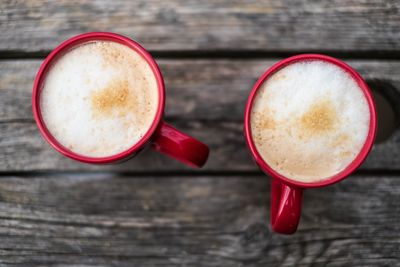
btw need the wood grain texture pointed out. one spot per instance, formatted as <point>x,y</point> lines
<point>204,97</point>
<point>104,220</point>
<point>23,149</point>
<point>355,25</point>
<point>152,211</point>
<point>199,89</point>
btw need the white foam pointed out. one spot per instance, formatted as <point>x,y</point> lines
<point>309,120</point>
<point>68,99</point>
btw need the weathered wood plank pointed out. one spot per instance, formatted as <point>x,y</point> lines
<point>356,25</point>
<point>23,149</point>
<point>98,220</point>
<point>196,89</point>
<point>205,98</point>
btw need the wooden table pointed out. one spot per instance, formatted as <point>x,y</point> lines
<point>152,211</point>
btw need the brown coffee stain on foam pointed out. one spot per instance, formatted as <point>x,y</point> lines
<point>320,119</point>
<point>267,122</point>
<point>345,154</point>
<point>118,56</point>
<point>278,76</point>
<point>112,53</point>
<point>264,120</point>
<point>115,99</point>
<point>340,140</point>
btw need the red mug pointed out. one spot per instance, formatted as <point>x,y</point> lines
<point>287,194</point>
<point>162,136</point>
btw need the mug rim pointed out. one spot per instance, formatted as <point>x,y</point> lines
<point>63,48</point>
<point>358,160</point>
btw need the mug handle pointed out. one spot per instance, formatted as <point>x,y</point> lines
<point>286,204</point>
<point>180,146</point>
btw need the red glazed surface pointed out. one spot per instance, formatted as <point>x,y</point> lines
<point>287,193</point>
<point>178,149</point>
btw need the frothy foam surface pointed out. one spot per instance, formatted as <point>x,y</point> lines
<point>309,120</point>
<point>99,99</point>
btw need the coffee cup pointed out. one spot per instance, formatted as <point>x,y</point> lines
<point>99,98</point>
<point>310,122</point>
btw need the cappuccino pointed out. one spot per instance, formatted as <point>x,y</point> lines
<point>99,99</point>
<point>309,120</point>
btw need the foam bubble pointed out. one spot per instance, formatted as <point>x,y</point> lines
<point>309,120</point>
<point>99,99</point>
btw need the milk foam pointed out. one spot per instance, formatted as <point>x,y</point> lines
<point>99,99</point>
<point>309,120</point>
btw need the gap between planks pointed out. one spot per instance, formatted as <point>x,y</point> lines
<point>229,54</point>
<point>175,174</point>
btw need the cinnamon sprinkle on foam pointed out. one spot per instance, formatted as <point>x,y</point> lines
<point>115,96</point>
<point>319,119</point>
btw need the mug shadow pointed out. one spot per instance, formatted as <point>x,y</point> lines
<point>387,98</point>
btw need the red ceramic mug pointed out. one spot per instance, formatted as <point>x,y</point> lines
<point>162,136</point>
<point>286,194</point>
